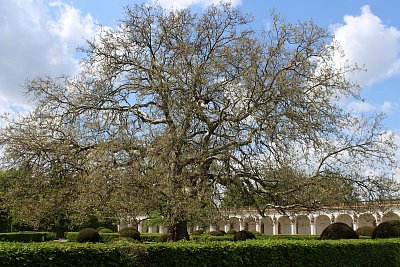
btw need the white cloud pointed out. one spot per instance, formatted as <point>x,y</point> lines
<point>365,107</point>
<point>366,41</point>
<point>360,107</point>
<point>37,38</point>
<point>179,4</point>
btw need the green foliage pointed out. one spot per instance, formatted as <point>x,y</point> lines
<point>231,232</point>
<point>104,230</point>
<point>163,238</point>
<point>27,236</point>
<point>275,253</point>
<point>338,231</point>
<point>365,230</point>
<point>68,254</point>
<point>387,230</point>
<point>243,235</point>
<point>125,240</point>
<point>104,237</point>
<point>198,232</point>
<point>108,237</point>
<point>130,232</point>
<point>88,235</point>
<point>288,237</point>
<point>362,252</point>
<point>216,233</point>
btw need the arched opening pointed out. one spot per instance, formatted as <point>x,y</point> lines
<point>366,219</point>
<point>266,226</point>
<point>250,224</point>
<point>284,225</point>
<point>322,221</point>
<point>390,216</point>
<point>303,225</point>
<point>234,223</point>
<point>345,218</point>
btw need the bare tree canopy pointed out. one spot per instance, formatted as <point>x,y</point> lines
<point>174,112</point>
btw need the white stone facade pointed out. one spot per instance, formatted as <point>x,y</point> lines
<point>308,223</point>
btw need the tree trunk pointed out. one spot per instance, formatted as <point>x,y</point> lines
<point>178,232</point>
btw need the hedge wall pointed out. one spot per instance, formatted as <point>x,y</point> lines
<point>67,254</point>
<point>108,237</point>
<point>363,252</point>
<point>104,237</point>
<point>276,253</point>
<point>27,236</point>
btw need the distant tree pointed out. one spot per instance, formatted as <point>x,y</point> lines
<point>173,108</point>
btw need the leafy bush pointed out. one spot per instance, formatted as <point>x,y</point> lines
<point>125,240</point>
<point>27,236</point>
<point>104,230</point>
<point>222,232</point>
<point>338,231</point>
<point>88,235</point>
<point>362,252</point>
<point>163,238</point>
<point>198,232</point>
<point>216,233</point>
<point>108,237</point>
<point>387,230</point>
<point>231,232</point>
<point>243,235</point>
<point>104,237</point>
<point>130,232</point>
<point>365,230</point>
<point>68,254</point>
<point>100,228</point>
<point>151,237</point>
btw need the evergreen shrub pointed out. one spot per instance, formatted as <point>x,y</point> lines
<point>387,229</point>
<point>88,235</point>
<point>338,231</point>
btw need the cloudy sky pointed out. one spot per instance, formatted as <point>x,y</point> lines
<point>39,37</point>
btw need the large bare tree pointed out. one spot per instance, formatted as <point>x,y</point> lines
<point>174,109</point>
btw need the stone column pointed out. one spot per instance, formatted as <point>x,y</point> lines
<point>312,225</point>
<point>378,218</point>
<point>293,228</point>
<point>258,225</point>
<point>275,228</point>
<point>241,224</point>
<point>355,222</point>
<point>227,227</point>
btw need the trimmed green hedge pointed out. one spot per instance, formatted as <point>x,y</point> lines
<point>104,237</point>
<point>362,252</point>
<point>27,236</point>
<point>276,253</point>
<point>67,254</point>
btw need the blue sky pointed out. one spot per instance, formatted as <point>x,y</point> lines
<point>39,37</point>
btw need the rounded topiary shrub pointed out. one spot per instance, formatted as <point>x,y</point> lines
<point>130,232</point>
<point>163,238</point>
<point>365,230</point>
<point>222,232</point>
<point>231,232</point>
<point>88,235</point>
<point>105,230</point>
<point>198,232</point>
<point>243,235</point>
<point>387,230</point>
<point>124,240</point>
<point>216,233</point>
<point>338,231</point>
